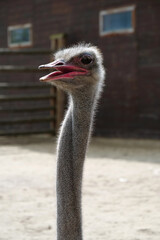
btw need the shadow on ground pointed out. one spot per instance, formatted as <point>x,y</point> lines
<point>117,149</point>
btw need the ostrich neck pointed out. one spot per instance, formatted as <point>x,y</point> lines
<point>72,145</point>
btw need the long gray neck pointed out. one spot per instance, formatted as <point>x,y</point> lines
<point>72,145</point>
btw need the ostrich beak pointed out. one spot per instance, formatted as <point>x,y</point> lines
<point>62,71</point>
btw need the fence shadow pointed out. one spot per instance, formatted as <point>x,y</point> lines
<point>101,148</point>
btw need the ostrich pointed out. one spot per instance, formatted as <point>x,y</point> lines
<point>79,71</point>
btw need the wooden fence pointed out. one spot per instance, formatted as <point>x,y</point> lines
<point>21,114</point>
<point>30,107</point>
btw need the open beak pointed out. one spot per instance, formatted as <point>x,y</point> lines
<point>62,71</point>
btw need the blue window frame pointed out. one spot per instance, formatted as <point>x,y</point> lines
<point>119,20</point>
<point>19,35</point>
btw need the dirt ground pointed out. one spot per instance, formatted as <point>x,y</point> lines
<point>121,190</point>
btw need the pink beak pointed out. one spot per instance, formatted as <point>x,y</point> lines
<point>62,71</point>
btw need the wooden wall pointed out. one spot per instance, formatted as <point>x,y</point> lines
<point>131,99</point>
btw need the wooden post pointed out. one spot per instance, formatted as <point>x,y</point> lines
<point>57,42</point>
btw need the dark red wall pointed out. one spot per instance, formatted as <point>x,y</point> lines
<point>130,105</point>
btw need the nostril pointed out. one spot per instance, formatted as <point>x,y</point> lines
<point>60,63</point>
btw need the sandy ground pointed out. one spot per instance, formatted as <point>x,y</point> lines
<point>121,190</point>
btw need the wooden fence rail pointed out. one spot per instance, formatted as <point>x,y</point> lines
<point>10,68</point>
<point>25,97</point>
<point>26,120</point>
<point>26,132</point>
<point>23,85</point>
<point>31,109</point>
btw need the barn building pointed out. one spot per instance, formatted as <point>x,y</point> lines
<point>127,32</point>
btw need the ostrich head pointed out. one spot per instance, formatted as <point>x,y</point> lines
<point>75,68</point>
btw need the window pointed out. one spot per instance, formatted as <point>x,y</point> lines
<point>20,35</point>
<point>118,20</point>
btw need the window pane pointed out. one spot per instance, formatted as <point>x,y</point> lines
<point>117,21</point>
<point>19,35</point>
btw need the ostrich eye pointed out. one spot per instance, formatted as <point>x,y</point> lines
<point>86,59</point>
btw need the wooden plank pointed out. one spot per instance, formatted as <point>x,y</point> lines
<point>25,97</point>
<point>60,100</point>
<point>60,94</point>
<point>25,120</point>
<point>33,109</point>
<point>15,133</point>
<point>53,106</point>
<point>57,42</point>
<point>10,68</point>
<point>24,85</point>
<point>35,51</point>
